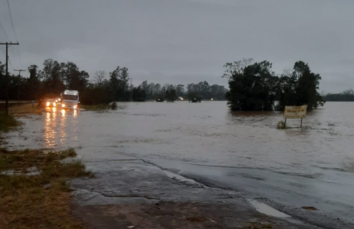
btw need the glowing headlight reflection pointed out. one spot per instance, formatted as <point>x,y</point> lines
<point>63,105</point>
<point>54,104</point>
<point>48,103</point>
<point>75,106</point>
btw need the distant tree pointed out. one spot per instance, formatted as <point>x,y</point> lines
<point>170,95</point>
<point>180,90</point>
<point>75,79</point>
<point>33,85</point>
<point>119,79</point>
<point>347,95</point>
<point>138,94</point>
<point>99,76</point>
<point>51,74</point>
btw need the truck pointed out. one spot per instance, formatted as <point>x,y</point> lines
<point>70,99</point>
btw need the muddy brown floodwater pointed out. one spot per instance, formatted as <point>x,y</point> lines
<point>288,169</point>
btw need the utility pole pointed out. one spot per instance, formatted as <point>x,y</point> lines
<point>19,84</point>
<point>7,75</point>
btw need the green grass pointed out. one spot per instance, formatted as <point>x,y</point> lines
<point>7,122</point>
<point>41,200</point>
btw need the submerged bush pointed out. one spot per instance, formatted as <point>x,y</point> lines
<point>281,125</point>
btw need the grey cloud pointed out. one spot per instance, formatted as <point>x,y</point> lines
<point>187,40</point>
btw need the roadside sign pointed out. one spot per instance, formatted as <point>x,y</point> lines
<point>295,111</point>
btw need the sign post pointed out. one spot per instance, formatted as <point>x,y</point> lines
<point>293,112</point>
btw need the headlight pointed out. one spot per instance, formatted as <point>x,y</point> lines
<point>63,105</point>
<point>75,106</point>
<point>48,103</point>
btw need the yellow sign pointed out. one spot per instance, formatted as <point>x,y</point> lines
<point>295,111</point>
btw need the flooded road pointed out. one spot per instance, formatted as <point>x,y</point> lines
<point>288,169</point>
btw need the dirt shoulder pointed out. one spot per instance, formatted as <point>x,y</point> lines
<point>133,194</point>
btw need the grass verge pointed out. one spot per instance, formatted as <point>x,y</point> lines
<point>7,122</point>
<point>25,109</point>
<point>40,199</point>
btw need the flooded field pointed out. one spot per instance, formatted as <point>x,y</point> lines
<point>244,151</point>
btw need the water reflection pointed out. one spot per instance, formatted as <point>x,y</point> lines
<point>49,126</point>
<point>63,127</point>
<point>57,124</point>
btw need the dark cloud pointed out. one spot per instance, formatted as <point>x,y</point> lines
<point>186,40</point>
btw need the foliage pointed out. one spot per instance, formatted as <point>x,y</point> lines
<point>254,87</point>
<point>202,89</point>
<point>171,95</point>
<point>98,93</point>
<point>300,87</point>
<point>138,94</point>
<point>54,77</point>
<point>347,95</point>
<point>206,91</point>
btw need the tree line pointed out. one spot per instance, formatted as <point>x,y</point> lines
<point>54,77</point>
<point>347,95</point>
<point>255,87</point>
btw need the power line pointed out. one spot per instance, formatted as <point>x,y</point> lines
<point>12,22</point>
<point>13,27</point>
<point>2,28</point>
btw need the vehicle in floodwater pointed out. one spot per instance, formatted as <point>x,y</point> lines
<point>70,99</point>
<point>49,103</point>
<point>160,99</point>
<point>195,100</point>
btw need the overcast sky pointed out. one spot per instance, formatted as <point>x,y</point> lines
<point>183,41</point>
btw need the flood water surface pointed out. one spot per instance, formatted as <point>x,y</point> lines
<point>241,150</point>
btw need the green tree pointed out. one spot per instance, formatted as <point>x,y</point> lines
<point>51,74</point>
<point>252,86</point>
<point>119,79</point>
<point>347,95</point>
<point>300,87</point>
<point>74,78</point>
<point>138,94</point>
<point>170,95</point>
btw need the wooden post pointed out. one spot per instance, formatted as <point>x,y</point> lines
<point>7,75</point>
<point>301,123</point>
<point>285,123</point>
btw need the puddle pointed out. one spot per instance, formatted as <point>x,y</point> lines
<point>267,210</point>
